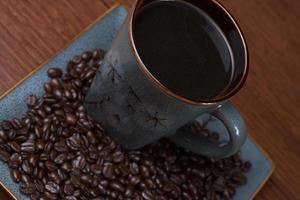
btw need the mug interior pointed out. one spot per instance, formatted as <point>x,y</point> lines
<point>233,36</point>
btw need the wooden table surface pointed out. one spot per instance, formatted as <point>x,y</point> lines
<point>32,31</point>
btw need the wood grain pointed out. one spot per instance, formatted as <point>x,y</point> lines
<point>31,31</point>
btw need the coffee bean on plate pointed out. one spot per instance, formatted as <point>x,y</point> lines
<point>57,151</point>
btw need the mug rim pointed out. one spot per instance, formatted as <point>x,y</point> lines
<point>165,89</point>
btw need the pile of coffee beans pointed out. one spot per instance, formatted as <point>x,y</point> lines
<point>57,151</point>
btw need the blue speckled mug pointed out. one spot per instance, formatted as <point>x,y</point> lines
<point>137,109</point>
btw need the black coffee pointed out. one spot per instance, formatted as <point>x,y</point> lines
<point>183,48</point>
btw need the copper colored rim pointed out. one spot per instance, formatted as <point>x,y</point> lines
<point>166,90</point>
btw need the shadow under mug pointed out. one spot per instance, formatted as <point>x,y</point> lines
<point>137,109</point>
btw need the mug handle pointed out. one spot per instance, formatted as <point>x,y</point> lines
<point>235,126</point>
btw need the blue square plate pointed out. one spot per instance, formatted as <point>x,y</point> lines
<point>101,34</point>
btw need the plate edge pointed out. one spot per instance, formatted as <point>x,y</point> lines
<point>270,172</point>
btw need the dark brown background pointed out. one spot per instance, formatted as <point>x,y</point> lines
<point>32,31</point>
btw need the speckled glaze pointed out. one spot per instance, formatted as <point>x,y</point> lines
<point>101,34</point>
<point>137,109</point>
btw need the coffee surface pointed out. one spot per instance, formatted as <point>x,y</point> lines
<point>183,48</point>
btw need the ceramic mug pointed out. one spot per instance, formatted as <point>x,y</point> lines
<point>137,109</point>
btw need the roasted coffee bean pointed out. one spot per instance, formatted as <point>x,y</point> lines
<point>32,100</point>
<point>48,90</point>
<point>98,54</point>
<point>39,186</point>
<point>246,167</point>
<point>27,188</point>
<point>129,191</point>
<point>97,168</point>
<point>4,156</point>
<point>67,166</point>
<point>50,165</point>
<point>56,83</point>
<point>28,147</point>
<point>91,137</point>
<point>71,119</point>
<point>44,157</point>
<point>79,162</point>
<point>54,73</point>
<point>74,142</point>
<point>16,124</point>
<point>60,146</point>
<point>48,146</point>
<point>108,170</point>
<point>32,160</point>
<point>3,135</point>
<point>68,189</point>
<point>135,180</point>
<point>134,168</point>
<point>15,160</point>
<point>25,178</point>
<point>40,144</point>
<point>75,180</point>
<point>41,113</point>
<point>77,83</point>
<point>88,75</point>
<point>50,195</point>
<point>53,154</point>
<point>239,179</point>
<point>76,59</point>
<point>61,158</point>
<point>52,187</point>
<point>16,175</point>
<point>114,185</point>
<point>49,100</point>
<point>35,196</point>
<point>26,167</point>
<point>11,134</point>
<point>118,157</point>
<point>47,109</point>
<point>147,195</point>
<point>86,55</point>
<point>124,169</point>
<point>57,93</point>
<point>38,131</point>
<point>144,171</point>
